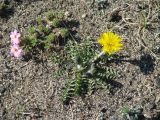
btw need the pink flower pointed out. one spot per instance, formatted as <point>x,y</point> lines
<point>16,51</point>
<point>15,37</point>
<point>15,41</point>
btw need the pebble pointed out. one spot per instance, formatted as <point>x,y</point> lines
<point>151,106</point>
<point>67,14</point>
<point>23,14</point>
<point>147,115</point>
<point>2,90</point>
<point>25,25</point>
<point>116,117</point>
<point>84,15</point>
<point>125,5</point>
<point>1,36</point>
<point>157,80</point>
<point>103,110</point>
<point>28,117</point>
<point>27,13</point>
<point>2,112</point>
<point>39,11</point>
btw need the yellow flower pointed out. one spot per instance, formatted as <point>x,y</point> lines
<point>111,42</point>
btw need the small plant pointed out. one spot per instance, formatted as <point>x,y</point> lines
<point>88,71</point>
<point>46,34</point>
<point>32,30</point>
<point>56,22</point>
<point>50,16</point>
<point>136,113</point>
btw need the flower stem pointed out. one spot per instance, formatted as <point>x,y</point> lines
<point>90,72</point>
<point>97,57</point>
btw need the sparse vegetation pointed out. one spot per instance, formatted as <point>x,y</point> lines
<point>47,33</point>
<point>63,74</point>
<point>133,114</point>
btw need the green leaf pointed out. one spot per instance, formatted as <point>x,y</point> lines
<point>56,23</point>
<point>64,32</point>
<point>50,15</point>
<point>32,30</point>
<point>51,38</point>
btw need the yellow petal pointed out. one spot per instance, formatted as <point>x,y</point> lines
<point>111,42</point>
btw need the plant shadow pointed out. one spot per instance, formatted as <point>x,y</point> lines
<point>72,25</point>
<point>6,13</point>
<point>145,63</point>
<point>114,84</point>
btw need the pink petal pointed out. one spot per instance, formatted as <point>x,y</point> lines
<point>16,51</point>
<point>12,50</point>
<point>19,53</point>
<point>12,36</point>
<point>15,34</point>
<point>15,41</point>
<point>18,35</point>
<point>15,31</point>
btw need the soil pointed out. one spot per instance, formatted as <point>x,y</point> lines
<point>28,90</point>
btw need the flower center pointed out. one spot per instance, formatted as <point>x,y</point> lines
<point>15,49</point>
<point>14,36</point>
<point>110,44</point>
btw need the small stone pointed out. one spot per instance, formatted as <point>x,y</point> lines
<point>116,117</point>
<point>125,5</point>
<point>28,117</point>
<point>157,80</point>
<point>150,106</point>
<point>17,93</point>
<point>67,14</point>
<point>39,11</point>
<point>74,28</point>
<point>2,111</point>
<point>84,15</point>
<point>23,14</point>
<point>147,115</point>
<point>2,89</point>
<point>1,36</point>
<point>103,110</point>
<point>25,25</point>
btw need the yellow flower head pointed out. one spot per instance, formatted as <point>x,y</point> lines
<point>111,42</point>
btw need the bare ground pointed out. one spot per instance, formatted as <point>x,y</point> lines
<point>28,90</point>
